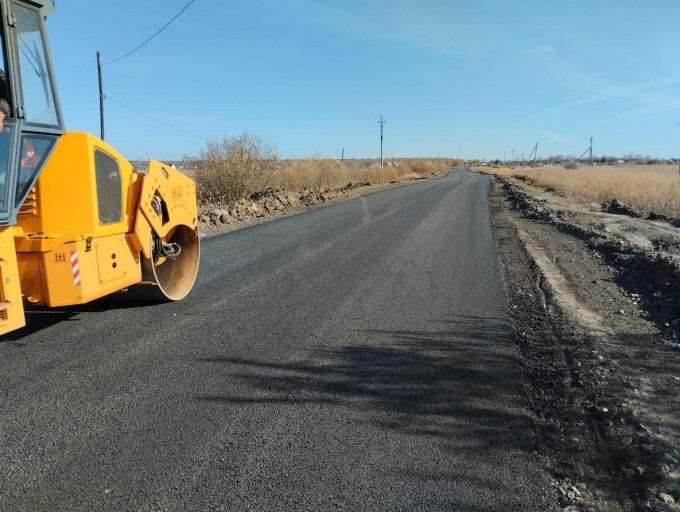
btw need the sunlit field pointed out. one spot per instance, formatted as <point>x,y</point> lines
<point>645,188</point>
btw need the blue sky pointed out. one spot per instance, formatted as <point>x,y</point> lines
<point>313,77</point>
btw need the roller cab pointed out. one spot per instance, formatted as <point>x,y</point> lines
<point>77,221</point>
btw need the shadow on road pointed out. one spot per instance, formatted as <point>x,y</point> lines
<point>456,391</point>
<point>431,383</point>
<point>39,317</point>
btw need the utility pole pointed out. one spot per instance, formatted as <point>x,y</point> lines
<point>382,124</point>
<point>101,94</point>
<point>535,154</point>
<point>504,162</point>
<point>679,158</point>
<point>589,150</point>
<point>459,150</point>
<point>343,155</point>
<point>513,157</point>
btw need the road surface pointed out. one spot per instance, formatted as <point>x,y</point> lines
<point>356,356</point>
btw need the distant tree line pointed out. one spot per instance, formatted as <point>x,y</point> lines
<point>566,159</point>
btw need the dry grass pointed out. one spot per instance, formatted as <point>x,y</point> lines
<point>326,174</point>
<point>645,188</point>
<point>235,167</point>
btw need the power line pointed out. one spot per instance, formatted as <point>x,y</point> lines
<point>161,30</point>
<point>73,89</point>
<point>154,119</point>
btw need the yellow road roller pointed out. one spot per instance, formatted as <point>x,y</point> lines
<point>77,220</point>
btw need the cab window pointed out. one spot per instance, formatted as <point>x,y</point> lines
<point>34,152</point>
<point>109,191</point>
<point>36,83</point>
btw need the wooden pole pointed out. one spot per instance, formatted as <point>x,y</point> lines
<point>101,94</point>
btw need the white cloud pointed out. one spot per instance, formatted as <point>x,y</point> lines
<point>651,103</point>
<point>545,49</point>
<point>559,139</point>
<point>402,23</point>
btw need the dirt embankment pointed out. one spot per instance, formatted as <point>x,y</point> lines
<point>267,203</point>
<point>596,304</point>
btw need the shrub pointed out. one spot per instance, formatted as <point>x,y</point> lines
<point>314,173</point>
<point>571,164</point>
<point>234,168</point>
<point>421,166</point>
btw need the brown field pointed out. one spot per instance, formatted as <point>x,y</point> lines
<point>644,188</point>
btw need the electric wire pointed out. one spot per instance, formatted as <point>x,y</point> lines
<point>579,158</point>
<point>154,119</point>
<point>154,35</point>
<point>86,71</point>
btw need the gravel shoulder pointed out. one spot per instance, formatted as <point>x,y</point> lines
<point>594,301</point>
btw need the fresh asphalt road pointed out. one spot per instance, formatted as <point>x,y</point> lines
<point>356,356</point>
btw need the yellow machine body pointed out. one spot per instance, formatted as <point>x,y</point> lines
<point>88,227</point>
<point>11,307</point>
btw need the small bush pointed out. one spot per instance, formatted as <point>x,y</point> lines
<point>313,173</point>
<point>571,164</point>
<point>426,167</point>
<point>422,166</point>
<point>234,168</point>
